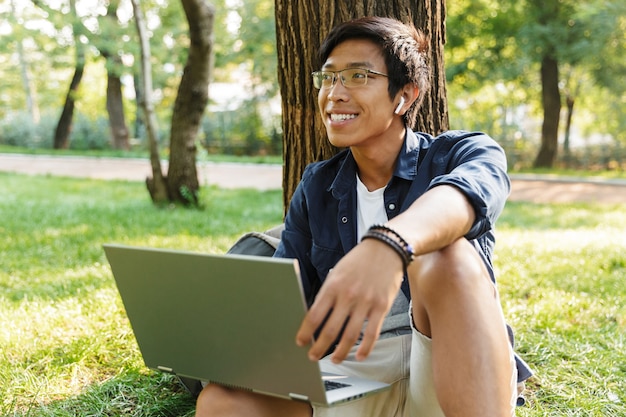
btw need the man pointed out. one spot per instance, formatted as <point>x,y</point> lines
<point>398,221</point>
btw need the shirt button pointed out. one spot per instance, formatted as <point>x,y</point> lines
<point>344,220</point>
<point>392,206</point>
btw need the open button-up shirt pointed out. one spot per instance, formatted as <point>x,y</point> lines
<point>321,223</point>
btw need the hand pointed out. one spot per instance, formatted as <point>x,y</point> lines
<point>361,287</point>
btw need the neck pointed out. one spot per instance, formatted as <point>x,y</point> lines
<point>377,163</point>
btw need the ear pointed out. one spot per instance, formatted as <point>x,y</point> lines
<point>408,95</point>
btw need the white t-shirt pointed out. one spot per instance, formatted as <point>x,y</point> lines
<point>370,211</point>
<point>370,207</point>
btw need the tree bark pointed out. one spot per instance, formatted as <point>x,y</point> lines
<point>567,152</point>
<point>191,101</point>
<point>551,98</point>
<point>301,26</point>
<point>115,99</point>
<point>139,126</point>
<point>115,108</point>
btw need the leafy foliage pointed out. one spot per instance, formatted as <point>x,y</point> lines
<point>43,30</point>
<point>499,44</point>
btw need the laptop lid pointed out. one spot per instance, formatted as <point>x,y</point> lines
<point>227,319</point>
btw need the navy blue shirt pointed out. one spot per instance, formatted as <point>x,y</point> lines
<point>321,223</point>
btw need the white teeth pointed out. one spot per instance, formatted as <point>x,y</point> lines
<point>341,117</point>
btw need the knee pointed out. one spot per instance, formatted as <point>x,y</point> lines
<point>215,400</point>
<point>457,268</point>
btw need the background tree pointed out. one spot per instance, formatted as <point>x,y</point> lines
<point>64,126</point>
<point>168,32</point>
<point>191,101</point>
<point>106,36</point>
<point>547,15</point>
<point>300,28</point>
<point>535,52</point>
<point>492,64</point>
<point>108,45</point>
<point>157,183</point>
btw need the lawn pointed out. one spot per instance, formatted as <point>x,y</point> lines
<point>67,348</point>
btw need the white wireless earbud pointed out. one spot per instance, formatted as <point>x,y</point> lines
<point>397,110</point>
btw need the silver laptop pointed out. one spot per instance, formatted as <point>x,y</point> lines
<point>226,319</point>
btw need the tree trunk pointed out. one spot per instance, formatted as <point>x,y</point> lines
<point>64,125</point>
<point>157,184</point>
<point>115,99</point>
<point>567,153</point>
<point>301,26</point>
<point>115,108</point>
<point>551,98</point>
<point>191,101</point>
<point>139,128</point>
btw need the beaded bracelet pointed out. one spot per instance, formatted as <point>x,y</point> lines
<point>405,255</point>
<point>393,232</point>
<point>406,246</point>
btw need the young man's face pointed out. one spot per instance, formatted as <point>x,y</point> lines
<point>359,115</point>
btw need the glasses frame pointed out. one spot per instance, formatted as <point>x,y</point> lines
<point>338,75</point>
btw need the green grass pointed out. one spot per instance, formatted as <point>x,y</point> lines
<point>66,348</point>
<point>562,270</point>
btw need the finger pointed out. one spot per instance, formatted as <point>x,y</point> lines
<point>350,336</point>
<point>315,316</point>
<point>330,331</point>
<point>370,336</point>
<point>313,320</point>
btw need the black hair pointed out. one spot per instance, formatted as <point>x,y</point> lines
<point>404,48</point>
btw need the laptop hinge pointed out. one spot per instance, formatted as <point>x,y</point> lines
<point>298,397</point>
<point>165,369</point>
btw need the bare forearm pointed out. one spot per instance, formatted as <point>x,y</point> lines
<point>435,220</point>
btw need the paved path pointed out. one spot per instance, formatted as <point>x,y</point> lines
<point>539,189</point>
<point>548,189</point>
<point>227,175</point>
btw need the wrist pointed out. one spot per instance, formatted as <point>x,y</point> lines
<point>392,239</point>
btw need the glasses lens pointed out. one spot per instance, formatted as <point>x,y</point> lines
<point>317,79</point>
<point>322,79</point>
<point>352,77</point>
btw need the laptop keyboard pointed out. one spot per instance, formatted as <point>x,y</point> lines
<point>331,385</point>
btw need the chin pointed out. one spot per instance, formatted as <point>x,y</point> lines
<point>339,142</point>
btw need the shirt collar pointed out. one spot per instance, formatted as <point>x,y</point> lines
<point>345,178</point>
<point>406,166</point>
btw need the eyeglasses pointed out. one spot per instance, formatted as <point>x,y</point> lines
<point>350,77</point>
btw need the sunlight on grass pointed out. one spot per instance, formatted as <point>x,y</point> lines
<point>67,348</point>
<point>561,272</point>
<point>56,348</point>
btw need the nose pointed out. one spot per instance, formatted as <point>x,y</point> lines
<point>337,91</point>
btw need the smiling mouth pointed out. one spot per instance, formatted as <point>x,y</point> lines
<point>341,117</point>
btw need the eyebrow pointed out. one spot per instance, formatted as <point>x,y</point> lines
<point>363,64</point>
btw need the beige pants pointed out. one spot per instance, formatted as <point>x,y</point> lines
<point>405,363</point>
